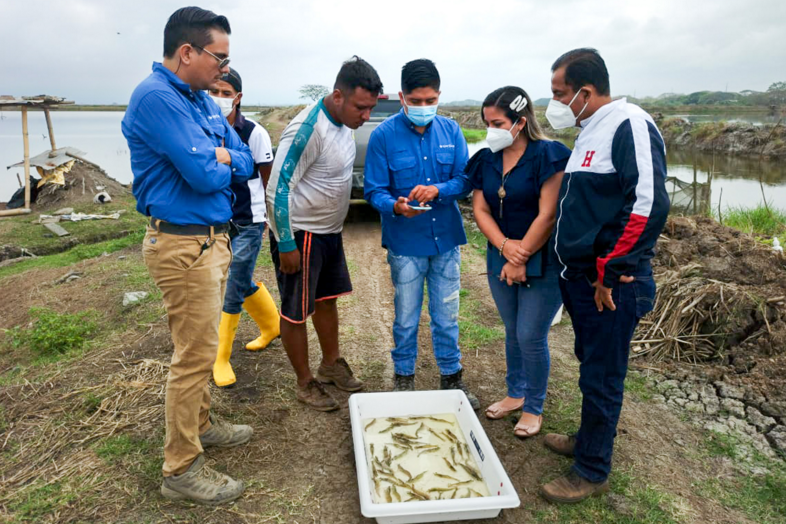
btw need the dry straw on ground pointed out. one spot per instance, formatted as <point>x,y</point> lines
<point>54,446</point>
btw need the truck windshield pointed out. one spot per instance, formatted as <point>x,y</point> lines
<point>385,108</point>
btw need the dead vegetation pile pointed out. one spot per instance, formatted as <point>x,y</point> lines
<point>720,292</point>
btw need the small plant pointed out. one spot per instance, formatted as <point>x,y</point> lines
<point>52,333</point>
<point>473,135</point>
<point>756,221</point>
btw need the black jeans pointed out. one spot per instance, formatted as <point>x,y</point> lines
<point>602,347</point>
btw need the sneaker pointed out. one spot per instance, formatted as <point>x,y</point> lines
<point>560,444</point>
<point>572,488</point>
<point>339,374</point>
<point>454,382</point>
<point>222,434</point>
<point>404,383</point>
<point>315,395</point>
<point>202,485</point>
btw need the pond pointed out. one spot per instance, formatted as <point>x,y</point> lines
<point>735,181</point>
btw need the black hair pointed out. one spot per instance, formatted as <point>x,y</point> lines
<point>419,73</point>
<point>516,104</point>
<point>355,73</point>
<point>192,25</point>
<point>584,67</point>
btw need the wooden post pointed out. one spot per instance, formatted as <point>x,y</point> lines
<point>27,156</point>
<point>49,127</point>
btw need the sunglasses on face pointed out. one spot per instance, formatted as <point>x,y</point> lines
<point>222,62</point>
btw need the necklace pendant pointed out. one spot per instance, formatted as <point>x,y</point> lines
<point>501,192</point>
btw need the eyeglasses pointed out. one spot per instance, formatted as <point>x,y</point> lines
<point>222,62</point>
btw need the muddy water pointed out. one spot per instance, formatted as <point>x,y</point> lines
<point>728,181</point>
<point>97,133</point>
<point>439,464</point>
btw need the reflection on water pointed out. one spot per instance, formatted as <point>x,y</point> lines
<point>736,180</point>
<point>98,133</point>
<point>750,118</point>
<point>95,132</point>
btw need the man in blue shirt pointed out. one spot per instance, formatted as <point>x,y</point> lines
<point>416,160</point>
<point>184,155</point>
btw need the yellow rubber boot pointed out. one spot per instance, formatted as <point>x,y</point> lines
<point>263,310</point>
<point>222,369</point>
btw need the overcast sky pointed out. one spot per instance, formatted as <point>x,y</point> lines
<point>72,48</point>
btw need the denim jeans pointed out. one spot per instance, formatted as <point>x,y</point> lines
<point>527,313</point>
<point>602,347</point>
<point>245,250</point>
<point>442,274</point>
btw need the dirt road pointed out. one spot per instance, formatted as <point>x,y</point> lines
<point>98,417</point>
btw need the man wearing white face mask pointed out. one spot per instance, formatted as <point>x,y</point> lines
<point>414,175</point>
<point>249,217</point>
<point>612,207</point>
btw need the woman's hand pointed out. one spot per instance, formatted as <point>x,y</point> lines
<point>513,274</point>
<point>511,251</point>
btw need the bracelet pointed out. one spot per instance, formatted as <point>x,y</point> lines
<point>502,246</point>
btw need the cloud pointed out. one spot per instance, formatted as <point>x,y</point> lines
<point>74,49</point>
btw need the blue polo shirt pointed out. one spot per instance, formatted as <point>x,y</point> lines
<point>399,158</point>
<point>172,134</point>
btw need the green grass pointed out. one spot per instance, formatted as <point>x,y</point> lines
<point>477,241</point>
<point>76,254</point>
<point>472,333</point>
<point>22,231</point>
<point>41,500</point>
<point>141,457</point>
<point>54,334</point>
<point>756,221</point>
<point>645,504</point>
<point>636,385</point>
<point>761,497</point>
<point>473,135</point>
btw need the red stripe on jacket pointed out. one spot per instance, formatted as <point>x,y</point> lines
<point>630,236</point>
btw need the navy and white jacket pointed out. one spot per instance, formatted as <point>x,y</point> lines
<point>613,201</point>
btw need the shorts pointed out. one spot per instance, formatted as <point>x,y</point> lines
<point>323,274</point>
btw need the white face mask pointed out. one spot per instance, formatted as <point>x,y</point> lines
<point>226,104</point>
<point>560,115</point>
<point>498,139</point>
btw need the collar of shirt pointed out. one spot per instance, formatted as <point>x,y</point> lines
<point>240,120</point>
<point>172,78</point>
<point>602,112</point>
<point>495,159</point>
<point>330,118</point>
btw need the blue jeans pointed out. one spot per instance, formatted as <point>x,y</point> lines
<point>442,274</point>
<point>240,282</point>
<point>602,346</point>
<point>527,313</point>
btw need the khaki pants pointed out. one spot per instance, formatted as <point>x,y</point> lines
<point>193,283</point>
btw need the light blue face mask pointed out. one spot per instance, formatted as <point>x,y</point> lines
<point>420,115</point>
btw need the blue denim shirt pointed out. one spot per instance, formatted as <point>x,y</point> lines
<point>172,133</point>
<point>399,158</point>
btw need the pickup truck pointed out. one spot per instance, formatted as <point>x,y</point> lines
<point>387,105</point>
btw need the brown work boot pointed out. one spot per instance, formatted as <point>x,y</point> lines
<point>222,434</point>
<point>572,488</point>
<point>560,444</point>
<point>202,485</point>
<point>340,375</point>
<point>315,395</point>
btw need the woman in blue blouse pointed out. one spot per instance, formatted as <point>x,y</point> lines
<point>516,182</point>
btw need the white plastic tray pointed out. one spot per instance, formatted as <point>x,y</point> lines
<point>363,406</point>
